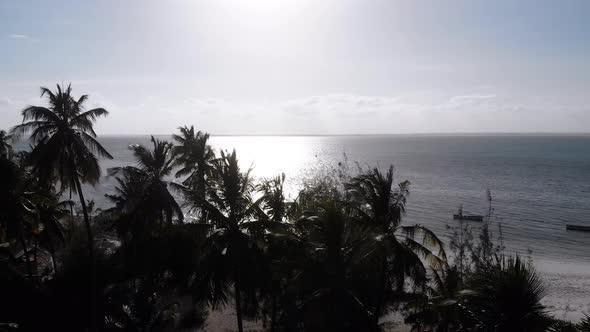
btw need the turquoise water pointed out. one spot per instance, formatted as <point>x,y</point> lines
<point>538,184</point>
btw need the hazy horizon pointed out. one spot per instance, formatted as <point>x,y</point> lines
<point>379,134</point>
<point>305,67</point>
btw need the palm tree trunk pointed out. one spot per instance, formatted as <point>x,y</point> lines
<point>273,313</point>
<point>26,253</point>
<point>52,253</point>
<point>35,257</point>
<point>237,297</point>
<point>71,205</point>
<point>381,294</point>
<point>51,249</point>
<point>202,194</point>
<point>90,237</point>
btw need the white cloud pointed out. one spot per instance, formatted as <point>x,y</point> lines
<point>473,102</point>
<point>339,104</point>
<point>470,99</point>
<point>329,114</point>
<point>205,106</point>
<point>18,36</point>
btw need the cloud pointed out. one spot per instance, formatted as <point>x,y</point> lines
<point>205,106</point>
<point>470,99</point>
<point>462,102</point>
<point>339,103</point>
<point>462,111</point>
<point>18,36</point>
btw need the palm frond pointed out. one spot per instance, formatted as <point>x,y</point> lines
<point>95,146</point>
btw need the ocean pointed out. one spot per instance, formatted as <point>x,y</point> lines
<point>539,183</point>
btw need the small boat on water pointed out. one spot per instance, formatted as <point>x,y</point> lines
<point>577,228</point>
<point>471,217</point>
<point>463,216</point>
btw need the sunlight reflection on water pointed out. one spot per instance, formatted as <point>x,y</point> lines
<point>538,183</point>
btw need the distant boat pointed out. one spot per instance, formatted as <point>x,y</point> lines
<point>577,228</point>
<point>472,217</point>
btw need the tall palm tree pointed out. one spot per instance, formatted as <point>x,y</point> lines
<point>229,208</point>
<point>272,230</point>
<point>65,146</point>
<point>382,206</point>
<point>142,193</point>
<point>339,275</point>
<point>195,157</point>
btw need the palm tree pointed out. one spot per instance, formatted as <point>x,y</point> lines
<point>444,308</point>
<point>16,207</point>
<point>232,253</point>
<point>142,194</point>
<point>5,147</point>
<point>50,211</point>
<point>381,206</point>
<point>195,157</point>
<point>339,275</point>
<point>273,201</point>
<point>137,305</point>
<point>65,146</point>
<point>272,229</point>
<point>584,325</point>
<point>507,296</point>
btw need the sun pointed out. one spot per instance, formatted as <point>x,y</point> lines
<point>265,8</point>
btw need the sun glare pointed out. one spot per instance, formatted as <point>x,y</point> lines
<point>265,9</point>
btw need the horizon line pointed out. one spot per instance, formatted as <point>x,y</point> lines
<point>515,133</point>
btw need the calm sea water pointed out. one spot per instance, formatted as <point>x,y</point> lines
<point>538,184</point>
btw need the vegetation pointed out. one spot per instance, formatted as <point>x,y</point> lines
<point>337,257</point>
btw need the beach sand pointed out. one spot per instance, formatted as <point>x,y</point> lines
<point>224,320</point>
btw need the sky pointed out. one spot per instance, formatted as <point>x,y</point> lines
<point>304,66</point>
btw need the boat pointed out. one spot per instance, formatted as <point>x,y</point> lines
<point>471,217</point>
<point>462,216</point>
<point>577,228</point>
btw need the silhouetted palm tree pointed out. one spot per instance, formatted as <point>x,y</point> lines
<point>507,297</point>
<point>272,211</point>
<point>193,154</point>
<point>142,194</point>
<point>5,147</point>
<point>273,201</point>
<point>195,157</point>
<point>232,254</point>
<point>272,231</point>
<point>66,145</point>
<point>16,207</point>
<point>137,305</point>
<point>443,308</point>
<point>50,211</point>
<point>338,277</point>
<point>380,205</point>
<point>128,191</point>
